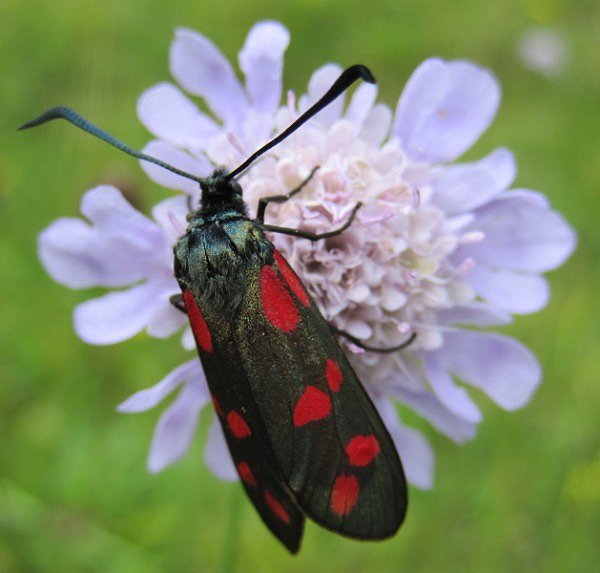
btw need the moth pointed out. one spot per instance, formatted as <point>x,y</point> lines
<point>303,433</point>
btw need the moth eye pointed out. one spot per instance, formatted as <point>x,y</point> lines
<point>235,187</point>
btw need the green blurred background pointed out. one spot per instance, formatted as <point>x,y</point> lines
<point>74,491</point>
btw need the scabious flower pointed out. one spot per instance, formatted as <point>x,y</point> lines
<point>440,248</point>
<point>544,50</point>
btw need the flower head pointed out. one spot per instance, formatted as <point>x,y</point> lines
<point>544,50</point>
<point>440,248</point>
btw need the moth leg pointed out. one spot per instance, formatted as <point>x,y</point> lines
<point>177,301</point>
<point>264,201</point>
<point>358,343</point>
<point>314,236</point>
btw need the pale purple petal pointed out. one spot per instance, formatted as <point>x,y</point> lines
<point>127,245</point>
<point>377,124</point>
<point>319,83</point>
<point>198,166</point>
<point>216,453</point>
<point>415,451</point>
<point>256,130</point>
<point>444,109</point>
<point>422,95</point>
<point>392,299</point>
<point>149,397</point>
<point>118,316</point>
<point>520,235</point>
<point>503,368</point>
<point>261,60</point>
<point>187,339</point>
<point>429,407</point>
<point>466,186</point>
<point>361,104</point>
<point>358,328</point>
<point>450,394</point>
<point>107,209</point>
<point>501,164</point>
<point>63,248</point>
<point>170,115</point>
<point>166,320</point>
<point>515,292</point>
<point>476,313</point>
<point>119,248</point>
<point>199,66</point>
<point>463,188</point>
<point>534,198</point>
<point>176,427</point>
<point>171,215</point>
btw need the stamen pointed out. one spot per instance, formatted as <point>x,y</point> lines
<point>416,193</point>
<point>458,222</point>
<point>291,105</point>
<point>339,197</point>
<point>465,267</point>
<point>236,143</point>
<point>436,299</point>
<point>391,203</point>
<point>373,220</point>
<point>404,328</point>
<point>355,349</point>
<point>472,237</point>
<point>343,213</point>
<point>308,213</point>
<point>179,228</point>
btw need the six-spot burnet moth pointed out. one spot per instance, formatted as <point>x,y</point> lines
<point>303,433</point>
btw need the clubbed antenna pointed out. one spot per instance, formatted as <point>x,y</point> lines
<point>74,118</point>
<point>346,79</point>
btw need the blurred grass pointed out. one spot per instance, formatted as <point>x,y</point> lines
<point>74,492</point>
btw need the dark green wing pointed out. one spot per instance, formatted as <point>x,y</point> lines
<point>295,416</point>
<point>244,430</point>
<point>330,444</point>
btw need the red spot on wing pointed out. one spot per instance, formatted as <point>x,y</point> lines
<point>278,305</point>
<point>277,508</point>
<point>333,375</point>
<point>344,494</point>
<point>216,405</point>
<point>246,474</point>
<point>312,405</point>
<point>361,450</point>
<point>199,326</point>
<point>292,279</point>
<point>238,426</point>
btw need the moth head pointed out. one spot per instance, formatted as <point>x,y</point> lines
<point>221,189</point>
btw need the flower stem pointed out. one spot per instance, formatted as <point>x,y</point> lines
<point>232,533</point>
